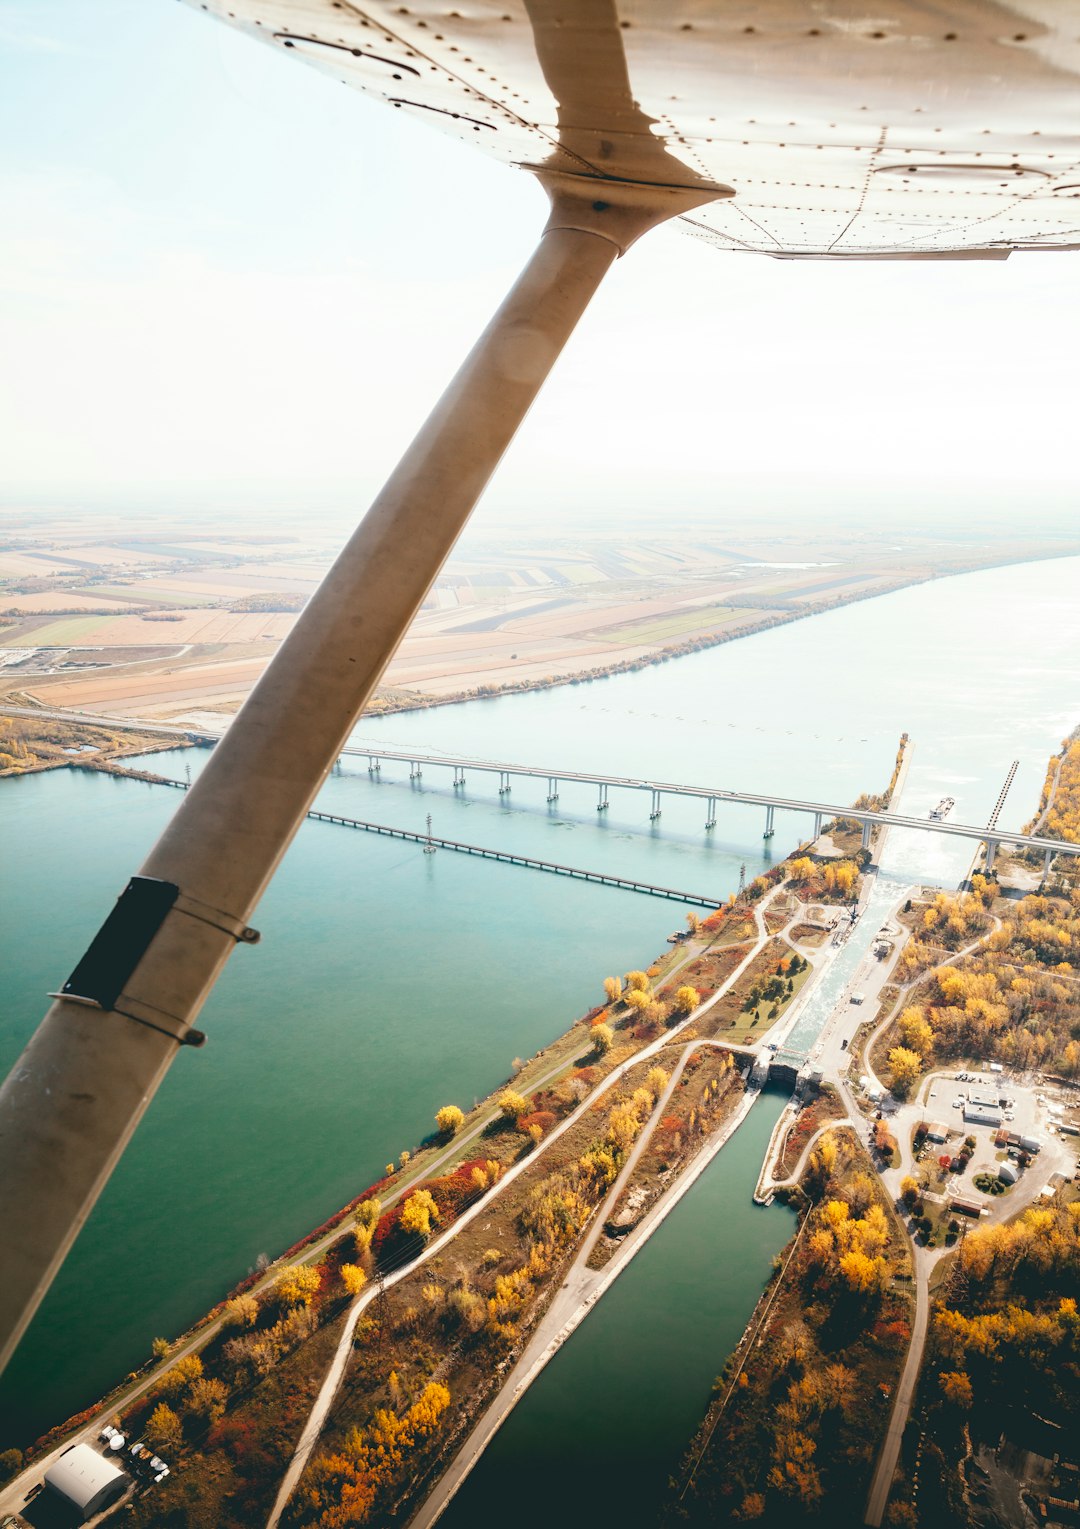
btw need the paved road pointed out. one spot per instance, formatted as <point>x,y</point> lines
<point>579,1292</point>
<point>324,1401</point>
<point>14,1493</point>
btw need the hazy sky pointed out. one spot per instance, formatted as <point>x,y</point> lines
<point>227,280</point>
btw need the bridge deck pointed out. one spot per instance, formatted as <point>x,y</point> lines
<point>715,794</point>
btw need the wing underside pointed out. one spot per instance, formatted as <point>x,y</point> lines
<point>937,129</point>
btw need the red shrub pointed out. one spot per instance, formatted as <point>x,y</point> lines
<point>542,1118</point>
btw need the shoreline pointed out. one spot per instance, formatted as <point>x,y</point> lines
<point>619,1260</point>
<point>484,690</point>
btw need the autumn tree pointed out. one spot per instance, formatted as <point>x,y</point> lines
<point>449,1119</point>
<point>419,1212</point>
<point>353,1279</point>
<point>183,1374</point>
<point>656,1081</point>
<point>637,982</point>
<point>693,923</point>
<point>242,1311</point>
<point>686,999</point>
<point>163,1430</point>
<point>612,989</point>
<point>206,1399</point>
<point>862,1274</point>
<point>298,1285</point>
<point>512,1104</point>
<point>915,1032</point>
<point>602,1038</point>
<point>905,1066</point>
<point>956,1388</point>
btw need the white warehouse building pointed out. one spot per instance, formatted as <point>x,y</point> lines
<point>85,1480</point>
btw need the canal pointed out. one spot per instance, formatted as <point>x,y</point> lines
<point>389,983</point>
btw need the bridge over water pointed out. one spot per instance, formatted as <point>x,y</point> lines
<point>713,798</point>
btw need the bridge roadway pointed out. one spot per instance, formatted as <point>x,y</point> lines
<point>991,836</point>
<point>819,811</point>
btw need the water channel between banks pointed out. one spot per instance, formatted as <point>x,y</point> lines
<point>390,983</point>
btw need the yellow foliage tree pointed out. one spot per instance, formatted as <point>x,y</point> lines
<point>183,1374</point>
<point>163,1429</point>
<point>419,1212</point>
<point>862,1273</point>
<point>297,1285</point>
<point>353,1279</point>
<point>449,1119</point>
<point>905,1066</point>
<point>513,1104</point>
<point>686,999</point>
<point>242,1311</point>
<point>956,1388</point>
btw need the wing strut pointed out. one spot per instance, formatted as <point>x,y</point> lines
<point>77,1092</point>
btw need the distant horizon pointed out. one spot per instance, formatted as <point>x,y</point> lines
<point>252,306</point>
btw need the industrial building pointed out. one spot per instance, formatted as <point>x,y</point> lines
<point>981,1114</point>
<point>85,1481</point>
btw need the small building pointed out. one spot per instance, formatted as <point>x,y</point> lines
<point>966,1207</point>
<point>937,1131</point>
<point>985,1101</point>
<point>996,1067</point>
<point>85,1481</point>
<point>1007,1173</point>
<point>1029,1144</point>
<point>981,1114</point>
<point>1068,1129</point>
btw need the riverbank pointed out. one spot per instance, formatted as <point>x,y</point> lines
<point>803,1404</point>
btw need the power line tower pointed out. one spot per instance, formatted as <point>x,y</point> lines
<point>429,847</point>
<point>742,880</point>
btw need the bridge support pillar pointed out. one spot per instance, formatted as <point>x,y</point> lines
<point>654,811</point>
<point>1048,860</point>
<point>866,829</point>
<point>415,771</point>
<point>991,851</point>
<point>553,790</point>
<point>819,820</point>
<point>770,813</point>
<point>602,804</point>
<point>373,765</point>
<point>710,814</point>
<point>459,776</point>
<point>504,782</point>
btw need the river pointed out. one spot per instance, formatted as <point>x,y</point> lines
<point>389,982</point>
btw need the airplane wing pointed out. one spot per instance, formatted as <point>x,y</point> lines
<point>938,130</point>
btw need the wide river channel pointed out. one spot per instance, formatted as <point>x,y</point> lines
<point>390,982</point>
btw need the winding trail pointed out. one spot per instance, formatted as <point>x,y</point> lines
<point>582,1287</point>
<point>329,1389</point>
<point>14,1493</point>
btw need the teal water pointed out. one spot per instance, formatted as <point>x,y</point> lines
<point>389,982</point>
<point>614,1411</point>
